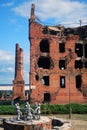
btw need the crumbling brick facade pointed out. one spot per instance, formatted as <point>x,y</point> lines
<point>18,82</point>
<point>58,63</point>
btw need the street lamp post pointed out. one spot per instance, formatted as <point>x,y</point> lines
<point>70,109</point>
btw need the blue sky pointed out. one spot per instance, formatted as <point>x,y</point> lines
<point>14,15</point>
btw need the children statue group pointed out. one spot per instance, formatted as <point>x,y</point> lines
<point>29,113</point>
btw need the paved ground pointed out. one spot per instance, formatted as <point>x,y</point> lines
<point>78,125</point>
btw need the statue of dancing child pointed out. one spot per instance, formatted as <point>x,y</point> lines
<point>37,111</point>
<point>18,111</point>
<point>28,112</point>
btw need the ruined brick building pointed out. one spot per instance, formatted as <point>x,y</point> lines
<point>18,82</point>
<point>58,63</point>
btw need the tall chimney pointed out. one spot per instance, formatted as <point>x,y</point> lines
<point>18,82</point>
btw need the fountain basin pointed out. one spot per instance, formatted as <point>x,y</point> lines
<point>44,123</point>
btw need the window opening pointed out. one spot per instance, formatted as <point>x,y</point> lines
<point>61,47</point>
<point>37,77</point>
<point>79,49</point>
<point>82,32</point>
<point>62,65</point>
<point>47,97</point>
<point>45,80</point>
<point>85,50</point>
<point>78,81</point>
<point>62,81</point>
<point>85,64</point>
<point>44,62</point>
<point>45,30</point>
<point>44,45</point>
<point>68,31</point>
<point>78,64</point>
<point>52,32</point>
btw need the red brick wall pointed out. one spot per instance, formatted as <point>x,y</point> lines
<point>57,94</point>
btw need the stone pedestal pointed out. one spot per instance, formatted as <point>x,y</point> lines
<point>43,124</point>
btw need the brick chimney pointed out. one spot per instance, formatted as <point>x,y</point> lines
<point>18,82</point>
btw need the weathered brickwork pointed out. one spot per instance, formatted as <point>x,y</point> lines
<point>58,63</point>
<point>18,82</point>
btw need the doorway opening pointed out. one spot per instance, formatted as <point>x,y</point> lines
<point>46,97</point>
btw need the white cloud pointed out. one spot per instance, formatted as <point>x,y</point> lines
<point>7,69</point>
<point>8,4</point>
<point>10,69</point>
<point>6,56</point>
<point>63,11</point>
<point>7,66</point>
<point>23,9</point>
